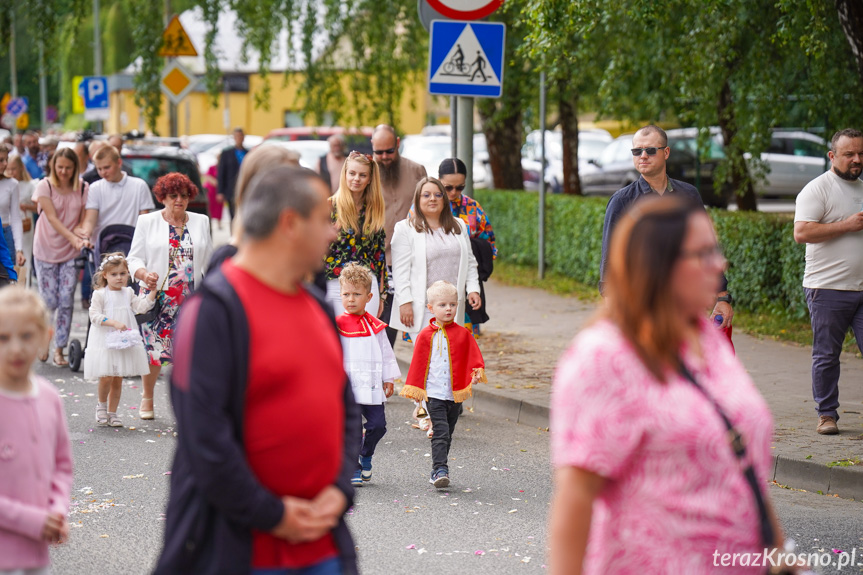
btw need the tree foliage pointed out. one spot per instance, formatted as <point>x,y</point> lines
<point>146,18</point>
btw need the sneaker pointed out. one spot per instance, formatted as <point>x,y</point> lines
<point>366,468</point>
<point>439,478</point>
<point>827,426</point>
<point>357,479</point>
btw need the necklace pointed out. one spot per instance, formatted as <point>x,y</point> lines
<point>176,225</point>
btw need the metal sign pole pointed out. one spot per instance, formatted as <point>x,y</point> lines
<point>453,124</point>
<point>541,254</point>
<point>97,51</point>
<point>465,139</point>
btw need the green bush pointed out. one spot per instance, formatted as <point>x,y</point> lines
<point>765,264</point>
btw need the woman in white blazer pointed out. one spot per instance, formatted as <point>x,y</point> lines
<point>428,246</point>
<point>170,250</point>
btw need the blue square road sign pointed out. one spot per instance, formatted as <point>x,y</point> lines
<point>466,58</point>
<point>94,89</point>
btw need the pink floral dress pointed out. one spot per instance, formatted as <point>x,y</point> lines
<point>675,493</point>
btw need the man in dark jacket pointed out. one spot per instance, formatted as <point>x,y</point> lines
<point>229,167</point>
<point>266,418</point>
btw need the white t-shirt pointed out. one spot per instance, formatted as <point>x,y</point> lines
<point>439,382</point>
<point>120,202</point>
<point>838,263</point>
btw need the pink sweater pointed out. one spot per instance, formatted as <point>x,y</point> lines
<point>35,472</point>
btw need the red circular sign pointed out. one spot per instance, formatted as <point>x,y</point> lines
<point>465,9</point>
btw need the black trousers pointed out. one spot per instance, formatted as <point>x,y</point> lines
<point>385,317</point>
<point>444,415</point>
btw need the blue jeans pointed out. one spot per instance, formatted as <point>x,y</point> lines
<point>328,567</point>
<point>832,312</point>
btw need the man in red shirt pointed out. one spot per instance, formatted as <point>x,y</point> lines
<point>267,422</point>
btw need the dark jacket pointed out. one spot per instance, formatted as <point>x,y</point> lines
<point>215,500</point>
<point>484,254</point>
<point>623,198</point>
<point>229,169</point>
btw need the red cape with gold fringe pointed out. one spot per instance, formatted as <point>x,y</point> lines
<point>465,360</point>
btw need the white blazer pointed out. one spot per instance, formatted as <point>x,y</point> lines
<point>409,274</point>
<point>150,248</point>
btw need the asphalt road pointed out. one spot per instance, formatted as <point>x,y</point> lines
<point>490,521</point>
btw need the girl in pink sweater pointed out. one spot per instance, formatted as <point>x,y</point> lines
<point>35,455</point>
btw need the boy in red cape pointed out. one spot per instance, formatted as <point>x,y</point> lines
<point>445,365</point>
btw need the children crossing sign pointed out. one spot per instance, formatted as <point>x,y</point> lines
<point>466,58</point>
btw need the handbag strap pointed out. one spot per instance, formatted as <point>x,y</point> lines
<point>738,446</point>
<point>171,257</point>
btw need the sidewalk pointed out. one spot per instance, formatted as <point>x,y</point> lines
<point>530,328</point>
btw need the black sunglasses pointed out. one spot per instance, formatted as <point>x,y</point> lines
<point>650,151</point>
<point>451,188</point>
<point>382,152</point>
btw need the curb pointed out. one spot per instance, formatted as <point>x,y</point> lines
<point>846,482</point>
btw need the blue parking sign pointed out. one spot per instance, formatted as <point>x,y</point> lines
<point>95,92</point>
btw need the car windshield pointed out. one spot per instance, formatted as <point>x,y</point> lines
<point>204,145</point>
<point>427,152</point>
<point>151,169</point>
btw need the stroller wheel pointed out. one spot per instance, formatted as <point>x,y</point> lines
<point>76,354</point>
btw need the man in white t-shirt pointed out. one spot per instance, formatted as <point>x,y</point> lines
<point>115,199</point>
<point>829,220</point>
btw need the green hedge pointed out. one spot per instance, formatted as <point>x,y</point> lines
<point>765,269</point>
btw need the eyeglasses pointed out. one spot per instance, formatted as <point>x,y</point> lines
<point>382,152</point>
<point>707,256</point>
<point>427,195</point>
<point>451,188</point>
<point>175,196</point>
<point>650,151</point>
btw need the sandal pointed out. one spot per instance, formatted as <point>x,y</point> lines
<point>101,414</point>
<point>114,421</point>
<point>59,360</point>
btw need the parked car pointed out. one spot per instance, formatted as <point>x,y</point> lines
<point>794,159</point>
<point>591,143</point>
<point>310,150</point>
<point>431,150</point>
<point>358,139</point>
<point>150,162</point>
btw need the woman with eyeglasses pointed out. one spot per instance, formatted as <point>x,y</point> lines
<point>170,251</point>
<point>660,441</point>
<point>452,173</point>
<point>429,246</point>
<point>358,213</point>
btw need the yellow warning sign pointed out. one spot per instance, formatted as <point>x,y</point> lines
<point>175,41</point>
<point>77,95</point>
<point>4,101</point>
<point>23,122</point>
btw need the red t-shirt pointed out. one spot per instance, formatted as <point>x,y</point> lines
<point>294,413</point>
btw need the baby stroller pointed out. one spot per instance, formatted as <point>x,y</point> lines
<point>114,238</point>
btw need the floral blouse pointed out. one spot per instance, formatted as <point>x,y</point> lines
<point>469,210</point>
<point>367,250</point>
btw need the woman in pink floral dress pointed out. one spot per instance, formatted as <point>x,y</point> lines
<point>646,480</point>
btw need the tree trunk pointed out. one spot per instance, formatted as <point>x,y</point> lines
<point>568,107</point>
<point>503,136</point>
<point>741,183</point>
<point>851,19</point>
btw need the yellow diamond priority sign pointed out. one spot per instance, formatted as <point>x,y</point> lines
<point>177,82</point>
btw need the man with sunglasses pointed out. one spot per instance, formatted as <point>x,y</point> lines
<point>650,153</point>
<point>399,177</point>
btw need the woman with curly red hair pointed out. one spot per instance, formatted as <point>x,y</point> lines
<point>170,250</point>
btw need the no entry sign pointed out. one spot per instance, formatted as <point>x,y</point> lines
<point>465,9</point>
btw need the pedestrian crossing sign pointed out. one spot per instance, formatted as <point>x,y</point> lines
<point>466,58</point>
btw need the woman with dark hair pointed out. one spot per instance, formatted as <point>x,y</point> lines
<point>453,174</point>
<point>61,198</point>
<point>170,250</point>
<point>660,441</point>
<point>430,245</point>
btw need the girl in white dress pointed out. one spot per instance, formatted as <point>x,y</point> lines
<point>114,346</point>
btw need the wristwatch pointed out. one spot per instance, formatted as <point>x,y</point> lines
<point>726,298</point>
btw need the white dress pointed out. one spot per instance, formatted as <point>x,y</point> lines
<point>369,362</point>
<point>120,305</point>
